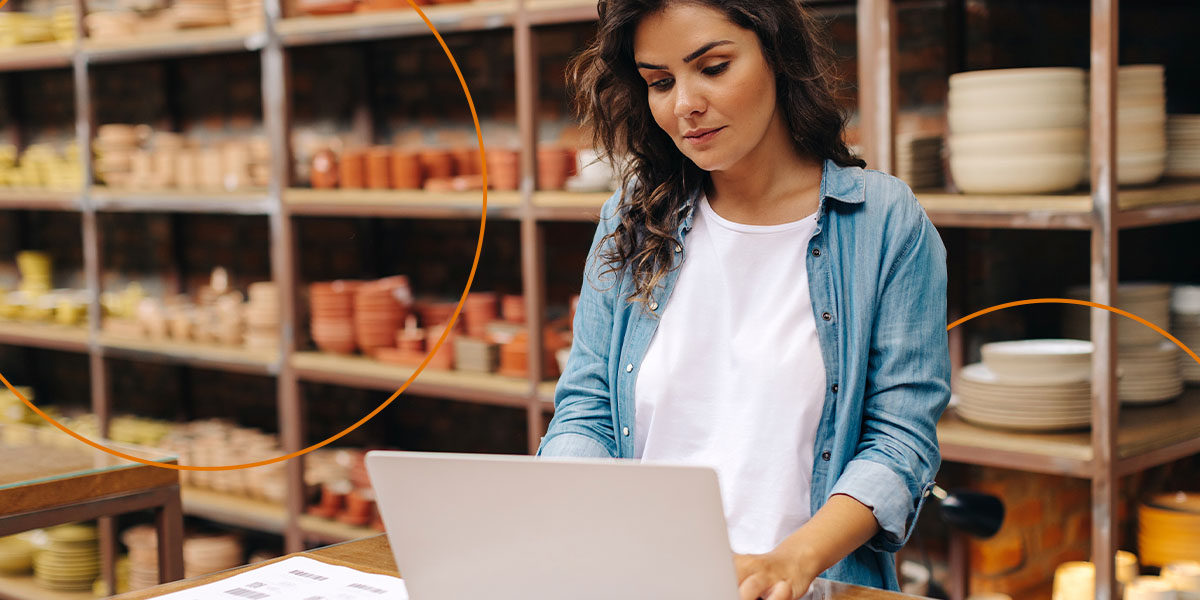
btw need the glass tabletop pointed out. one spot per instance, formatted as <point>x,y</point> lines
<point>30,455</point>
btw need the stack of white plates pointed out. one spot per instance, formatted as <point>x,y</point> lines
<point>1184,576</point>
<point>142,542</point>
<point>1150,374</point>
<point>919,160</point>
<point>1149,364</point>
<point>1018,131</point>
<point>210,553</point>
<point>1185,325</point>
<point>1141,124</point>
<point>1030,385</point>
<point>1183,145</point>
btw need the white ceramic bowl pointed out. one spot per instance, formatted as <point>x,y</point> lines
<point>1012,118</point>
<point>1049,141</point>
<point>992,78</point>
<point>1030,174</point>
<point>1140,169</point>
<point>1039,361</point>
<point>1057,92</point>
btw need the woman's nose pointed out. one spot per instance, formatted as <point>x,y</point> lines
<point>688,100</point>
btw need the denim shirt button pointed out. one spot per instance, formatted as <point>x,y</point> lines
<point>625,432</point>
<point>825,455</point>
<point>835,388</point>
<point>629,368</point>
<point>678,248</point>
<point>816,251</point>
<point>653,306</point>
<point>826,316</point>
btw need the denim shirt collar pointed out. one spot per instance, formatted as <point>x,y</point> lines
<point>844,184</point>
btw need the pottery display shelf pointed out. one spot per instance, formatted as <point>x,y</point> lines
<point>48,478</point>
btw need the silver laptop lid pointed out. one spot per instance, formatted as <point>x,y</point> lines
<point>471,527</point>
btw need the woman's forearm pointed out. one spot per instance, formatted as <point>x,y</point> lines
<point>838,529</point>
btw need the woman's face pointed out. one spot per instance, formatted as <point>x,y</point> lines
<point>708,84</point>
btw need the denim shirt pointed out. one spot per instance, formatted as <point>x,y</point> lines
<point>877,280</point>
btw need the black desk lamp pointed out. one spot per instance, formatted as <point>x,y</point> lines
<point>977,514</point>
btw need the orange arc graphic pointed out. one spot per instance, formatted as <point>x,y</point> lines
<point>421,367</point>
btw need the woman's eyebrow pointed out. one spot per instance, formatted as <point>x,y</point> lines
<point>689,58</point>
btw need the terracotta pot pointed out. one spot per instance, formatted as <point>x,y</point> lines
<point>353,169</point>
<point>553,164</point>
<point>379,168</point>
<point>437,163</point>
<point>444,358</point>
<point>504,169</point>
<point>466,160</point>
<point>512,308</point>
<point>324,173</point>
<point>406,170</point>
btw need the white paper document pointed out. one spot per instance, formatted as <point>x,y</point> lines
<point>299,578</point>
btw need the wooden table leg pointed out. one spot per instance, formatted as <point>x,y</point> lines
<point>169,522</point>
<point>960,566</point>
<point>107,531</point>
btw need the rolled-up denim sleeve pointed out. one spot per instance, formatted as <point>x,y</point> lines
<point>907,388</point>
<point>582,425</point>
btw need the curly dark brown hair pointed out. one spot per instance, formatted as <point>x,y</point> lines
<point>610,99</point>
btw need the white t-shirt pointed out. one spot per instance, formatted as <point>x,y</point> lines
<point>734,379</point>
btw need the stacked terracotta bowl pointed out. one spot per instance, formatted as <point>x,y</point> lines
<point>111,24</point>
<point>380,308</point>
<point>333,315</point>
<point>114,146</point>
<point>1018,131</point>
<point>142,543</point>
<point>480,309</point>
<point>1183,146</point>
<point>1169,528</point>
<point>203,554</point>
<point>1029,385</point>
<point>246,14</point>
<point>1141,124</point>
<point>1148,363</point>
<point>1185,325</point>
<point>199,13</point>
<point>71,559</point>
<point>262,316</point>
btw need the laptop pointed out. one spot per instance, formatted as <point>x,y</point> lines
<point>472,527</point>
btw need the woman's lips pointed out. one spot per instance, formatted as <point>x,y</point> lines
<point>704,139</point>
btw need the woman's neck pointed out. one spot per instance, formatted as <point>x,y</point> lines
<point>772,184</point>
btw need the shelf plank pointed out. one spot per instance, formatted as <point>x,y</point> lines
<point>1146,436</point>
<point>167,44</point>
<point>24,587</point>
<point>400,203</point>
<point>329,531</point>
<point>238,511</point>
<point>569,206</point>
<point>44,335</point>
<point>451,18</point>
<point>249,202</point>
<point>45,55</point>
<point>212,356</point>
<point>554,12</point>
<point>359,371</point>
<point>38,199</point>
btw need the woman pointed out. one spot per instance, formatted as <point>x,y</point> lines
<point>754,299</point>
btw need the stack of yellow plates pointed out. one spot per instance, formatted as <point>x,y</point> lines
<point>12,410</point>
<point>35,271</point>
<point>1169,528</point>
<point>62,22</point>
<point>16,555</point>
<point>71,561</point>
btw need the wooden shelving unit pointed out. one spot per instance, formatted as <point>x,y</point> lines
<point>1121,440</point>
<point>234,510</point>
<point>207,356</point>
<point>23,587</point>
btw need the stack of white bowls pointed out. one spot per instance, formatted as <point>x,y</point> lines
<point>1183,145</point>
<point>1148,363</point>
<point>919,160</point>
<point>1018,131</point>
<point>1185,325</point>
<point>1141,124</point>
<point>1029,385</point>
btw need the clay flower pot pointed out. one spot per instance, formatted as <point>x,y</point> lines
<point>504,169</point>
<point>406,170</point>
<point>324,174</point>
<point>553,166</point>
<point>353,169</point>
<point>379,168</point>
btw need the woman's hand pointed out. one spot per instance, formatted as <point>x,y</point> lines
<point>776,575</point>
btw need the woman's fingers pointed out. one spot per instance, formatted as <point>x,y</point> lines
<point>753,587</point>
<point>781,591</point>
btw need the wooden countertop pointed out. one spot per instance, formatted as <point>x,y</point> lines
<point>373,555</point>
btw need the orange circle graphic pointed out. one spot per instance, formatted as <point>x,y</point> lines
<point>421,367</point>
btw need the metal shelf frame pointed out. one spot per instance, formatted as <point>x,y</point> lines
<point>1100,456</point>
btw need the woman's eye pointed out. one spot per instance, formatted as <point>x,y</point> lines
<point>662,84</point>
<point>716,69</point>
